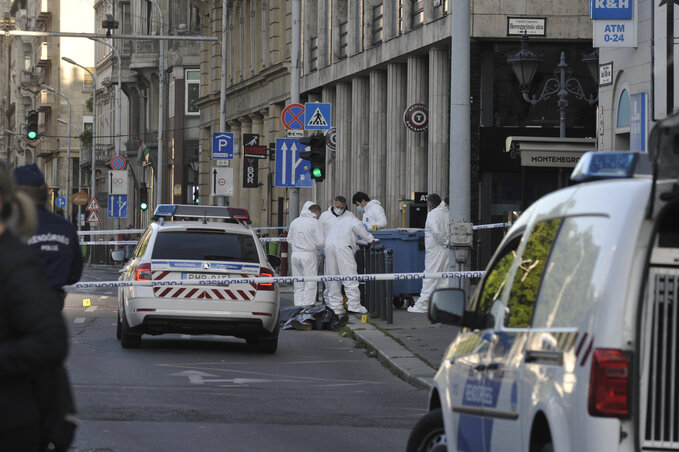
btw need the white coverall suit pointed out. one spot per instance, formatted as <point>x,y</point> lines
<point>374,216</point>
<point>437,254</point>
<point>340,247</point>
<point>305,237</point>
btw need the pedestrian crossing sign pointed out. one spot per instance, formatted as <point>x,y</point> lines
<point>317,116</point>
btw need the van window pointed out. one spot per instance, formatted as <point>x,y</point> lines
<point>496,278</point>
<point>573,270</point>
<point>527,279</point>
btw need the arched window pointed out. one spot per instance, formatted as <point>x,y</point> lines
<point>623,119</point>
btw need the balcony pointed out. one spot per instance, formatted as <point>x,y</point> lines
<point>30,78</point>
<point>103,154</point>
<point>144,54</point>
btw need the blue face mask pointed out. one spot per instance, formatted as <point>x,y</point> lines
<point>360,208</point>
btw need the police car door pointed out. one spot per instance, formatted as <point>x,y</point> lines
<point>507,352</point>
<point>471,393</point>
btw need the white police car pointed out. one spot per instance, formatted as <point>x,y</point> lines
<point>571,342</point>
<point>184,258</point>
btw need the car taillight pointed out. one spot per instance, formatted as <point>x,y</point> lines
<point>609,384</point>
<point>265,273</point>
<point>142,272</point>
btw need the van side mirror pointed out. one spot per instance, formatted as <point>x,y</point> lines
<point>274,260</point>
<point>447,306</point>
<point>118,255</point>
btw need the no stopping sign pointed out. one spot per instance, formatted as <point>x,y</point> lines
<point>416,117</point>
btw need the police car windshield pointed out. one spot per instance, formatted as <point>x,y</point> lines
<point>195,245</point>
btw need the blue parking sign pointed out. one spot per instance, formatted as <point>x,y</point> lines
<point>222,145</point>
<point>291,171</point>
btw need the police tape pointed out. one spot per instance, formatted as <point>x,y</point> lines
<point>111,242</point>
<point>491,226</point>
<point>113,232</point>
<point>283,279</point>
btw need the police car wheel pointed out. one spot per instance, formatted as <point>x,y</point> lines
<point>127,338</point>
<point>428,434</point>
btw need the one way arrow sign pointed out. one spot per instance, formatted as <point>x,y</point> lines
<point>221,181</point>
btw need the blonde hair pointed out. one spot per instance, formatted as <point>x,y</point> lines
<point>18,210</point>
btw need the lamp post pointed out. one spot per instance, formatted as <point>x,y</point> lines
<point>118,112</point>
<point>94,122</point>
<point>68,151</point>
<point>525,64</point>
<point>161,88</point>
<point>77,130</point>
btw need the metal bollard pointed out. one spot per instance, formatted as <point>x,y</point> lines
<point>389,296</point>
<point>380,284</point>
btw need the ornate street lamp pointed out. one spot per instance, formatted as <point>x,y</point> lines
<point>525,63</point>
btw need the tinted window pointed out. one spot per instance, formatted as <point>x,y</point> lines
<point>201,245</point>
<point>527,279</point>
<point>576,265</point>
<point>143,244</point>
<point>496,279</point>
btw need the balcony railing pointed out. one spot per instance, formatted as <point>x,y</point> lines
<point>30,78</point>
<point>144,54</point>
<point>103,154</point>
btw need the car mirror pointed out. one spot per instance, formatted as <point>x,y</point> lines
<point>274,260</point>
<point>447,306</point>
<point>118,255</point>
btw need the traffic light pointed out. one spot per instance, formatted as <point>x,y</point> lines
<point>143,196</point>
<point>32,125</point>
<point>196,194</point>
<point>315,155</point>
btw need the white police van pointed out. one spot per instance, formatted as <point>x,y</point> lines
<point>571,341</point>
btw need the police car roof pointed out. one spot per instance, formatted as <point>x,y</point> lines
<point>205,213</point>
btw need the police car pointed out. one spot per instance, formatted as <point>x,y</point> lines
<point>571,341</point>
<point>187,258</point>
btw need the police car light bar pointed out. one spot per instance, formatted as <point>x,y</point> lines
<point>201,211</point>
<point>605,165</point>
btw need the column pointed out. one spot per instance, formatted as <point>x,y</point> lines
<point>235,200</point>
<point>326,191</point>
<point>417,92</point>
<point>275,131</point>
<point>439,108</point>
<point>396,142</point>
<point>323,37</point>
<point>360,129</point>
<point>245,127</point>
<point>344,133</point>
<point>256,197</point>
<point>377,150</point>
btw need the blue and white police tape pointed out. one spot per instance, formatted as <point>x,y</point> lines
<point>111,242</point>
<point>281,279</point>
<point>491,226</point>
<point>112,232</point>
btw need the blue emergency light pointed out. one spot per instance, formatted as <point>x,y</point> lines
<point>605,165</point>
<point>235,214</point>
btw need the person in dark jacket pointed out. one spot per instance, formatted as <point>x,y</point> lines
<point>55,241</point>
<point>33,336</point>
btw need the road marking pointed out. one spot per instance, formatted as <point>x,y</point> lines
<point>79,320</point>
<point>91,309</point>
<point>104,297</point>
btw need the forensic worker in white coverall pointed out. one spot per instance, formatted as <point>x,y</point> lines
<point>340,246</point>
<point>306,240</point>
<point>437,254</point>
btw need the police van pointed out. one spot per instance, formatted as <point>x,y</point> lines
<point>571,341</point>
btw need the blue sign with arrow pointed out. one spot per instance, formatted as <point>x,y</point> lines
<point>117,206</point>
<point>60,202</point>
<point>291,171</point>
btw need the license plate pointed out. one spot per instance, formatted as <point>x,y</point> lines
<point>202,276</point>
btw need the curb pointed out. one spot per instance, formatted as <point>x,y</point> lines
<point>401,361</point>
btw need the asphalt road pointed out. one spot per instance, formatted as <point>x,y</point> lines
<point>208,393</point>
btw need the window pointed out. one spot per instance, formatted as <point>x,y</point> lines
<point>28,56</point>
<point>623,110</point>
<point>528,276</point>
<point>378,23</point>
<point>496,280</point>
<point>202,245</point>
<point>440,8</point>
<point>417,13</point>
<point>574,269</point>
<point>400,17</point>
<point>43,51</point>
<point>194,19</point>
<point>149,10</point>
<point>313,56</point>
<point>343,40</point>
<point>192,90</point>
<point>126,25</point>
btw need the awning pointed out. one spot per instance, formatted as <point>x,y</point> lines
<point>549,151</point>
